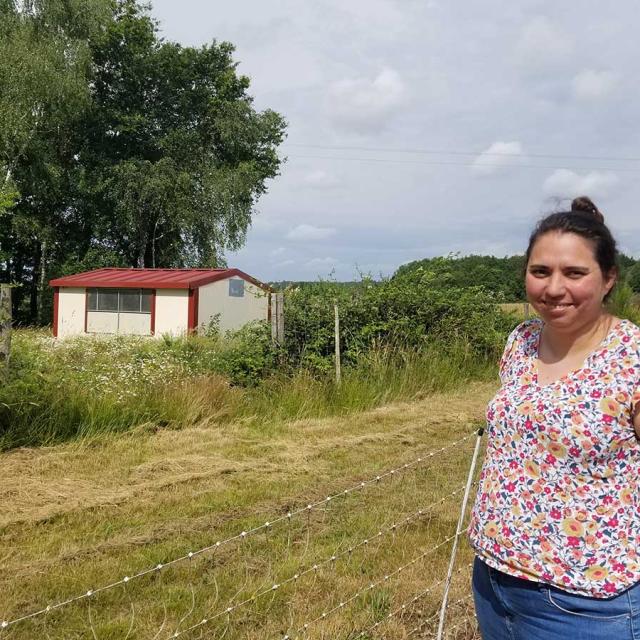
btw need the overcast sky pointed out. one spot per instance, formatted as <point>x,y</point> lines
<point>427,127</point>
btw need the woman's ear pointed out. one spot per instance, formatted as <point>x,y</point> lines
<point>611,278</point>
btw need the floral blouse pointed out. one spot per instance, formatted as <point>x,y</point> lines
<point>559,494</point>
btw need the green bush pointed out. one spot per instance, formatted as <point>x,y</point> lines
<point>621,303</point>
<point>406,312</point>
<point>633,277</point>
<point>247,356</point>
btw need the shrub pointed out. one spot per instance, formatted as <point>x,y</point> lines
<point>407,312</point>
<point>247,355</point>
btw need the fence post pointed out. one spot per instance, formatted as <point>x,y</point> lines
<point>5,328</point>
<point>525,310</point>
<point>277,318</point>
<point>337,341</point>
<point>459,530</point>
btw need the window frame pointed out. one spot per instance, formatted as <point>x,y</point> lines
<point>141,294</point>
<point>233,281</point>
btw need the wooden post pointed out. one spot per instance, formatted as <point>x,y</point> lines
<point>273,301</point>
<point>525,310</point>
<point>5,328</point>
<point>277,318</point>
<point>337,341</point>
<point>281,318</point>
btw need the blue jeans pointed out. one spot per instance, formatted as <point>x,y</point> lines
<point>509,608</point>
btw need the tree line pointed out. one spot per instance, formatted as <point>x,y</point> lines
<point>501,277</point>
<point>119,148</point>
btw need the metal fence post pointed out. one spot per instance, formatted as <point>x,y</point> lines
<point>454,549</point>
<point>337,341</point>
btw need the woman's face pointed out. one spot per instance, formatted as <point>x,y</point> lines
<point>564,281</point>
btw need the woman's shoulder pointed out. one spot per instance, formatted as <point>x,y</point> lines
<point>628,335</point>
<point>522,342</point>
<point>526,331</point>
<point>628,327</point>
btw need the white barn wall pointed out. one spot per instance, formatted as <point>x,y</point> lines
<point>172,309</point>
<point>102,322</point>
<point>71,307</point>
<point>214,298</point>
<point>138,324</point>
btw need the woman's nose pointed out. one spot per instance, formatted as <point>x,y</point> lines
<point>556,285</point>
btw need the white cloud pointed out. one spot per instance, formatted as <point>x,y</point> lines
<point>365,105</point>
<point>591,84</point>
<point>543,46</point>
<point>320,179</point>
<point>498,156</point>
<point>274,253</point>
<point>322,263</point>
<point>309,232</point>
<point>285,263</point>
<point>264,222</point>
<point>568,184</point>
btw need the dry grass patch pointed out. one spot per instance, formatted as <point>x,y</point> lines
<point>87,514</point>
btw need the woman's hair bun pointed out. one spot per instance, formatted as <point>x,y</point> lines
<point>583,204</point>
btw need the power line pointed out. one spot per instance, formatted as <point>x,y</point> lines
<point>463,164</point>
<point>461,153</point>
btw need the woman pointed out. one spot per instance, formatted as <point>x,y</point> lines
<point>556,523</point>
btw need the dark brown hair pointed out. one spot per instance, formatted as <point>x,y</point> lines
<point>585,220</point>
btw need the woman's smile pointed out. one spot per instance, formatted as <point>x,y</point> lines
<point>564,281</point>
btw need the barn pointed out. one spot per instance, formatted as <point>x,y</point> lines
<point>151,302</point>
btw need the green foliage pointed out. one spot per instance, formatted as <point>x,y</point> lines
<point>633,277</point>
<point>498,276</point>
<point>401,337</point>
<point>407,312</point>
<point>621,303</point>
<point>86,387</point>
<point>247,355</point>
<point>185,157</point>
<point>118,147</point>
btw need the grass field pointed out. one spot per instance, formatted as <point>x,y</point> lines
<point>80,515</point>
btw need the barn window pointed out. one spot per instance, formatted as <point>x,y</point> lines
<point>236,288</point>
<point>120,300</point>
<point>108,300</point>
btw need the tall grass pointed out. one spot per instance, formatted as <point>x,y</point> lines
<point>383,375</point>
<point>86,387</point>
<point>623,303</point>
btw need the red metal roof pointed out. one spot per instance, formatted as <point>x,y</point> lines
<point>151,278</point>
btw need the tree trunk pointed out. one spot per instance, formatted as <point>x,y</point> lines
<point>33,284</point>
<point>42,283</point>
<point>142,250</point>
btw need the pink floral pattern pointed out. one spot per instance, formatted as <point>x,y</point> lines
<point>558,498</point>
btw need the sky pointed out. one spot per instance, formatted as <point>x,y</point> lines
<point>419,128</point>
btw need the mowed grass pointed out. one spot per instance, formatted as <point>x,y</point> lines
<point>81,515</point>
